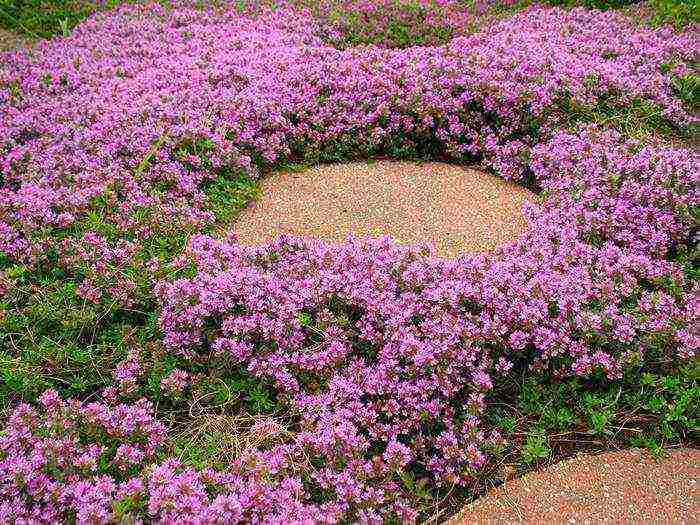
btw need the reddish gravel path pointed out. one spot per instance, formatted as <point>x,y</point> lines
<point>454,208</point>
<point>616,487</point>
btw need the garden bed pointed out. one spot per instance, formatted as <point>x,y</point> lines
<point>155,369</point>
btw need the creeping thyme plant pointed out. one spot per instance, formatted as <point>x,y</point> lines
<point>153,369</point>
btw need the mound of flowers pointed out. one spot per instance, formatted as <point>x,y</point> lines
<point>168,100</point>
<point>384,358</point>
<point>385,350</point>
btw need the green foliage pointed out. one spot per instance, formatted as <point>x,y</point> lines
<point>676,13</point>
<point>507,425</point>
<point>649,443</point>
<point>535,449</point>
<point>599,421</point>
<point>687,89</point>
<point>48,18</point>
<point>43,18</point>
<point>50,337</point>
<point>655,404</point>
<point>638,118</point>
<point>229,193</point>
<point>417,488</point>
<point>237,389</point>
<point>561,418</point>
<point>53,338</point>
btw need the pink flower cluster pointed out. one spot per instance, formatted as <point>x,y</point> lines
<point>63,458</point>
<point>128,372</point>
<point>175,383</point>
<point>96,463</point>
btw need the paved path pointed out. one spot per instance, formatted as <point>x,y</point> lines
<point>617,487</point>
<point>456,209</point>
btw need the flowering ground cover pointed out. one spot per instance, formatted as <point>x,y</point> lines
<point>152,370</point>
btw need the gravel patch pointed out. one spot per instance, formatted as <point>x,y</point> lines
<point>616,487</point>
<point>10,41</point>
<point>454,208</point>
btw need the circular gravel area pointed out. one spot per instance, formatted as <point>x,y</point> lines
<point>455,208</point>
<point>617,487</point>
